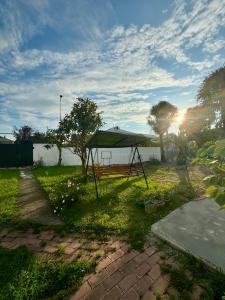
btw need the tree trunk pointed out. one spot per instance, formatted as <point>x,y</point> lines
<point>163,157</point>
<point>60,156</point>
<point>83,161</point>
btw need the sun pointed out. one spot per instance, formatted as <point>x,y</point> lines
<point>180,117</point>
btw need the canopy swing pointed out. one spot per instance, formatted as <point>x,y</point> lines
<point>115,139</point>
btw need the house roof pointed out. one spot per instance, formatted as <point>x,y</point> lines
<point>115,138</point>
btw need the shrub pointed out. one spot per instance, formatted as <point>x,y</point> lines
<point>65,193</point>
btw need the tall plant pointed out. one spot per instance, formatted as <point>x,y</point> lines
<point>212,95</point>
<point>57,137</point>
<point>160,118</point>
<point>79,124</point>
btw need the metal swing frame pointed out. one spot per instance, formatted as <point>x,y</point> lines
<point>90,155</point>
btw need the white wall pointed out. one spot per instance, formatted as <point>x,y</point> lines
<point>118,155</point>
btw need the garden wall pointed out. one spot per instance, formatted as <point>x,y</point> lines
<point>105,155</point>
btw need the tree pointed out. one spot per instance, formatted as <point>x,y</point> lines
<point>212,95</point>
<point>197,121</point>
<point>57,137</point>
<point>160,118</point>
<point>79,124</point>
<point>23,134</point>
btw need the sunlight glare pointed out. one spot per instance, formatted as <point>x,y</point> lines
<point>180,116</point>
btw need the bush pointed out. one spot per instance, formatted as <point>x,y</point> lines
<point>65,193</point>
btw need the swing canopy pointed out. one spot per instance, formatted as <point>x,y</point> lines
<point>115,138</point>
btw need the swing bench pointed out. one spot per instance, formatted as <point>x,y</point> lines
<point>115,138</point>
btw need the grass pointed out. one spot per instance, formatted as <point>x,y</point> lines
<point>9,188</point>
<point>23,276</point>
<point>120,209</point>
<point>190,272</point>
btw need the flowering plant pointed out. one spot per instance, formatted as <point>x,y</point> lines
<point>65,193</point>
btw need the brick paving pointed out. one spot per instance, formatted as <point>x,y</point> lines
<point>51,245</point>
<point>127,275</point>
<point>121,273</point>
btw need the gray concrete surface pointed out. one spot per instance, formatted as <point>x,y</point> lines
<point>198,228</point>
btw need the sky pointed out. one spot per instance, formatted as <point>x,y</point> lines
<point>126,55</point>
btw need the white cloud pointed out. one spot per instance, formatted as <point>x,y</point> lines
<point>119,65</point>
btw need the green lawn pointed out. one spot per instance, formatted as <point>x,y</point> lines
<point>24,276</point>
<point>9,188</point>
<point>120,209</point>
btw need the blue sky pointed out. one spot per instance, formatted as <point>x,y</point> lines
<point>124,54</point>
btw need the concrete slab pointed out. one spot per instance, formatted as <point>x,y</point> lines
<point>198,228</point>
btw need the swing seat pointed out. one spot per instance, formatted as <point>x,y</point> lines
<point>117,171</point>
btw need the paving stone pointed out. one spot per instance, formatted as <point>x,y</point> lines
<point>63,244</point>
<point>152,260</point>
<point>113,294</point>
<point>198,291</point>
<point>68,250</point>
<point>97,293</point>
<point>4,232</point>
<point>127,282</point>
<point>46,235</point>
<point>103,264</point>
<point>114,256</point>
<point>9,245</point>
<point>149,295</point>
<point>172,291</point>
<point>155,272</point>
<point>50,249</point>
<point>130,295</point>
<point>117,244</point>
<point>75,244</point>
<point>128,256</point>
<point>96,279</point>
<point>84,290</point>
<point>112,280</point>
<point>128,268</point>
<point>141,258</point>
<point>150,250</point>
<point>143,284</point>
<point>143,269</point>
<point>160,285</point>
<point>114,266</point>
<point>8,239</point>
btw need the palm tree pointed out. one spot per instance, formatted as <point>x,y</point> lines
<point>160,118</point>
<point>212,95</point>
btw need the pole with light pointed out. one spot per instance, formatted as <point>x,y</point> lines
<point>60,101</point>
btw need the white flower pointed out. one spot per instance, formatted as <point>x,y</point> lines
<point>63,201</point>
<point>54,211</point>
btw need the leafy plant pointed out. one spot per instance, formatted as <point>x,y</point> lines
<point>65,193</point>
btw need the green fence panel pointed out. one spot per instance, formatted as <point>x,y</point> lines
<point>16,155</point>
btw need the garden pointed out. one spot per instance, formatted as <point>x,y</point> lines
<point>112,232</point>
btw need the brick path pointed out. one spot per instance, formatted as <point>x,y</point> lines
<point>126,275</point>
<point>121,273</point>
<point>32,203</point>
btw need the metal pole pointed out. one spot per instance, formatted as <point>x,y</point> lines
<point>60,108</point>
<point>87,162</point>
<point>131,164</point>
<point>139,156</point>
<point>93,170</point>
